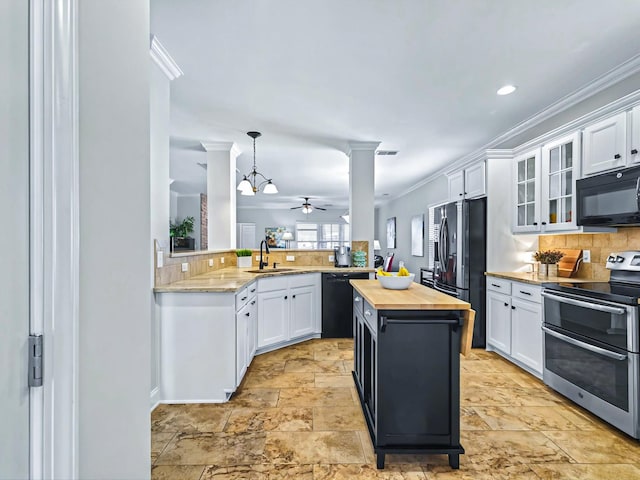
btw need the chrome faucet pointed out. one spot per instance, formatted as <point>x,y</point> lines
<point>266,251</point>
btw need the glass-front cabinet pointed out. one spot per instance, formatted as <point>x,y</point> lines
<point>560,169</point>
<point>527,192</point>
<point>544,182</point>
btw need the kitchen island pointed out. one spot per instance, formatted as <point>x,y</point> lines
<point>407,367</point>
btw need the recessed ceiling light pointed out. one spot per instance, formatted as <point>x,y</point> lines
<point>506,90</point>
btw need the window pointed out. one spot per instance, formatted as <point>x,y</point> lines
<point>314,236</point>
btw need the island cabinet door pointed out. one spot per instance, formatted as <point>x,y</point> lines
<point>418,379</point>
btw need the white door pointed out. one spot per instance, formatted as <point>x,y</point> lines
<point>247,235</point>
<point>14,241</point>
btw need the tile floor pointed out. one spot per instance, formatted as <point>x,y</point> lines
<point>296,416</point>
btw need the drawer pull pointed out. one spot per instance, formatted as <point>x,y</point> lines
<point>252,290</point>
<point>506,304</point>
<point>243,299</point>
<point>247,314</point>
<point>253,302</point>
<point>496,285</point>
<point>525,293</point>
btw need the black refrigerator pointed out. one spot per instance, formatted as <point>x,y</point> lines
<point>461,257</point>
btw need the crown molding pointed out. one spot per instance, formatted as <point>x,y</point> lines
<point>499,153</point>
<point>355,146</point>
<point>161,56</point>
<point>230,147</point>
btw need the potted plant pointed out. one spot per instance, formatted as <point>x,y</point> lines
<point>179,234</point>
<point>548,261</point>
<point>244,257</point>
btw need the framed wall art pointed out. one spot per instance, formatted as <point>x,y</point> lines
<point>391,232</point>
<point>417,235</point>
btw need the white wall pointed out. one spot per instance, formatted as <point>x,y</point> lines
<point>275,217</point>
<point>114,311</point>
<point>404,208</point>
<point>189,206</point>
<point>159,113</point>
<point>14,241</point>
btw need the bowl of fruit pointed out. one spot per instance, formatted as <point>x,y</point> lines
<point>400,280</point>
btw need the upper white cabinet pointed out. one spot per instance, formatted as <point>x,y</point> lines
<point>560,169</point>
<point>634,155</point>
<point>544,186</point>
<point>605,144</point>
<point>526,173</point>
<point>468,183</point>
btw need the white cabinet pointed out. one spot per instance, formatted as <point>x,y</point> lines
<point>605,144</point>
<point>288,308</point>
<point>468,183</point>
<point>246,329</point>
<point>514,322</point>
<point>634,147</point>
<point>544,181</point>
<point>302,307</point>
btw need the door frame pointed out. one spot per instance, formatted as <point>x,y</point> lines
<point>54,242</point>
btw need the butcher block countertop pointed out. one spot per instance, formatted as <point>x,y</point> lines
<point>534,278</point>
<point>232,279</point>
<point>417,297</point>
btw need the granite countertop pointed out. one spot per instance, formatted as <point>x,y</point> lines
<point>416,297</point>
<point>232,279</point>
<point>534,278</point>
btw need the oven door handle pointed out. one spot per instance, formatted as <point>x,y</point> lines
<point>582,303</point>
<point>586,346</point>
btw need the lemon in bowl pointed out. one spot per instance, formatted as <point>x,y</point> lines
<point>393,281</point>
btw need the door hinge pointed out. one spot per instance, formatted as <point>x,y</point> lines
<point>35,360</point>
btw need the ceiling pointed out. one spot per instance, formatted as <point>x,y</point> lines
<point>419,76</point>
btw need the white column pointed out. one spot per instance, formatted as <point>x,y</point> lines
<point>361,193</point>
<point>221,194</point>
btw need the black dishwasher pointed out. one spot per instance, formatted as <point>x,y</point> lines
<point>337,304</point>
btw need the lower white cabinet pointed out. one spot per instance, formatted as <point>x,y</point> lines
<point>514,322</point>
<point>288,308</point>
<point>246,336</point>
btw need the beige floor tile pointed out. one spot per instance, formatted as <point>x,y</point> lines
<point>315,397</point>
<point>313,447</point>
<point>328,380</point>
<point>479,472</point>
<point>470,420</point>
<point>587,472</point>
<point>338,419</point>
<point>191,417</point>
<point>177,472</point>
<point>493,365</point>
<point>282,380</point>
<point>315,366</point>
<point>259,472</point>
<point>479,354</point>
<point>496,449</point>
<point>287,419</point>
<point>526,418</point>
<point>496,380</point>
<point>597,446</point>
<point>214,449</point>
<point>511,395</point>
<point>255,397</point>
<point>367,447</point>
<point>368,472</point>
<point>159,440</point>
<point>333,354</point>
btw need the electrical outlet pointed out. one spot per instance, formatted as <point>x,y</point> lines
<point>257,258</point>
<point>185,267</point>
<point>211,262</point>
<point>586,256</point>
<point>159,258</point>
<point>221,259</point>
<point>331,258</point>
<point>291,258</point>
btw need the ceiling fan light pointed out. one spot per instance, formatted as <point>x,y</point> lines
<point>270,188</point>
<point>307,209</point>
<point>244,185</point>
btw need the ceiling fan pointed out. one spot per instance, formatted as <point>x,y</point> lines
<point>307,207</point>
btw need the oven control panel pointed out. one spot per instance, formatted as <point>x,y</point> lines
<point>629,261</point>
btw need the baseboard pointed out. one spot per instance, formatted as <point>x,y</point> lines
<point>288,343</point>
<point>155,398</point>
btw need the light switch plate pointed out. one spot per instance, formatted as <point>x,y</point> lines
<point>221,259</point>
<point>291,258</point>
<point>159,259</point>
<point>211,262</point>
<point>258,257</point>
<point>185,267</point>
<point>586,256</point>
<point>331,258</point>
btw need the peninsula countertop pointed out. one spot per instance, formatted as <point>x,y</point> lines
<point>416,297</point>
<point>232,279</point>
<point>534,278</point>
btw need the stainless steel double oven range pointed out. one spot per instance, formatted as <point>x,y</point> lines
<point>591,342</point>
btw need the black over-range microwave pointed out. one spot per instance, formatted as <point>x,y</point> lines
<point>611,198</point>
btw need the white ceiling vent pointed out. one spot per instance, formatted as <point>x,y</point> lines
<point>387,152</point>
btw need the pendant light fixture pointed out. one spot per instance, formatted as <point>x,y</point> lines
<point>251,184</point>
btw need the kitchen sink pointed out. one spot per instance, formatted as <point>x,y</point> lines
<point>271,270</point>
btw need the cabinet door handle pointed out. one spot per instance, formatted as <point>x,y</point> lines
<point>544,223</point>
<point>285,297</point>
<point>252,290</point>
<point>357,299</point>
<point>496,285</point>
<point>634,151</point>
<point>243,299</point>
<point>253,303</point>
<point>616,156</point>
<point>367,313</point>
<point>293,296</point>
<point>460,194</point>
<point>506,304</point>
<point>512,307</point>
<point>535,224</point>
<point>247,314</point>
<point>525,293</point>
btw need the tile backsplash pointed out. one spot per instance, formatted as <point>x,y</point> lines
<point>600,244</point>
